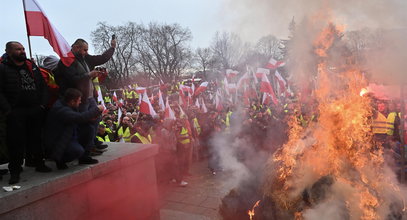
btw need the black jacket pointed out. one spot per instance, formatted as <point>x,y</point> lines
<point>10,84</point>
<point>60,127</point>
<point>76,75</point>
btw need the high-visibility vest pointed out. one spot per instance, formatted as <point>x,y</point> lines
<point>268,111</point>
<point>143,139</point>
<point>96,83</point>
<point>197,126</point>
<point>383,125</point>
<point>184,136</point>
<point>125,134</point>
<point>107,99</point>
<point>391,118</point>
<point>227,121</point>
<point>106,139</point>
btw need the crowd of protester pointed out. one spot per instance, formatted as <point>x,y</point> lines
<point>52,112</point>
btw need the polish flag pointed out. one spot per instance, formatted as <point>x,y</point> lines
<point>140,90</point>
<point>114,97</point>
<point>243,80</point>
<point>266,99</point>
<point>231,88</point>
<point>38,25</point>
<point>197,104</point>
<point>266,87</point>
<point>105,110</point>
<point>201,88</point>
<point>261,71</point>
<point>161,101</point>
<point>146,107</point>
<point>218,103</point>
<point>203,107</point>
<point>100,96</point>
<point>119,115</point>
<point>281,81</point>
<point>231,73</point>
<point>169,113</point>
<point>274,64</point>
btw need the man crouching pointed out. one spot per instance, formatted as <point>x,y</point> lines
<point>61,129</point>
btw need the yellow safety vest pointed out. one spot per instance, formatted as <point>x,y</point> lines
<point>391,118</point>
<point>197,126</point>
<point>143,139</point>
<point>107,139</point>
<point>125,134</point>
<point>107,99</point>
<point>184,136</point>
<point>227,122</point>
<point>383,125</point>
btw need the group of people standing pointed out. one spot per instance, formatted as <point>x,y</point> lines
<point>36,125</point>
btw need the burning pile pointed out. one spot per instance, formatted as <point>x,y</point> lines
<point>331,170</point>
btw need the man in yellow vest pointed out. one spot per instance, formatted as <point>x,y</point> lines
<point>102,135</point>
<point>124,130</point>
<point>383,124</point>
<point>142,135</point>
<point>184,139</point>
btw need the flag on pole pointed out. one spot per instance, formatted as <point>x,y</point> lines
<point>204,109</point>
<point>231,73</point>
<point>281,82</point>
<point>119,115</point>
<point>140,90</point>
<point>201,88</point>
<point>37,24</point>
<point>197,104</point>
<point>161,101</point>
<point>274,64</point>
<point>243,80</point>
<point>169,113</point>
<point>100,96</point>
<point>266,87</point>
<point>261,71</point>
<point>114,97</point>
<point>146,107</point>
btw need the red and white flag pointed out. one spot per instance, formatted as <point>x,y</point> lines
<point>146,107</point>
<point>169,113</point>
<point>231,73</point>
<point>274,64</point>
<point>261,71</point>
<point>119,115</point>
<point>161,101</point>
<point>281,82</point>
<point>181,112</point>
<point>243,80</point>
<point>266,87</point>
<point>38,25</point>
<point>197,104</point>
<point>140,90</point>
<point>201,88</point>
<point>114,97</point>
<point>203,107</point>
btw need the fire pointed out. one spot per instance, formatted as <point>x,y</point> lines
<point>251,212</point>
<point>338,145</point>
<point>363,91</point>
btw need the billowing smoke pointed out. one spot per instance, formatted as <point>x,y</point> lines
<point>255,18</point>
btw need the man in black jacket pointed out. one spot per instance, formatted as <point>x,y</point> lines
<point>23,96</point>
<point>79,75</point>
<point>61,133</point>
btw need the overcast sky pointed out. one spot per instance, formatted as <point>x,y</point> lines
<point>77,18</point>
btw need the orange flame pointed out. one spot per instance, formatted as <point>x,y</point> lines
<point>251,212</point>
<point>363,91</point>
<point>339,144</point>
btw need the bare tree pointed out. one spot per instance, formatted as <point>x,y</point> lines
<point>269,46</point>
<point>203,59</point>
<point>162,50</point>
<point>228,49</point>
<point>123,62</point>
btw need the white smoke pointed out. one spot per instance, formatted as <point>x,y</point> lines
<point>255,18</point>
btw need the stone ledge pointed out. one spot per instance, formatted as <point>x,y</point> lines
<point>36,186</point>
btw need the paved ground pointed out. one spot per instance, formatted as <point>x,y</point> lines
<point>200,200</point>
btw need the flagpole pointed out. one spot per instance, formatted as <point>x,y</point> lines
<point>26,26</point>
